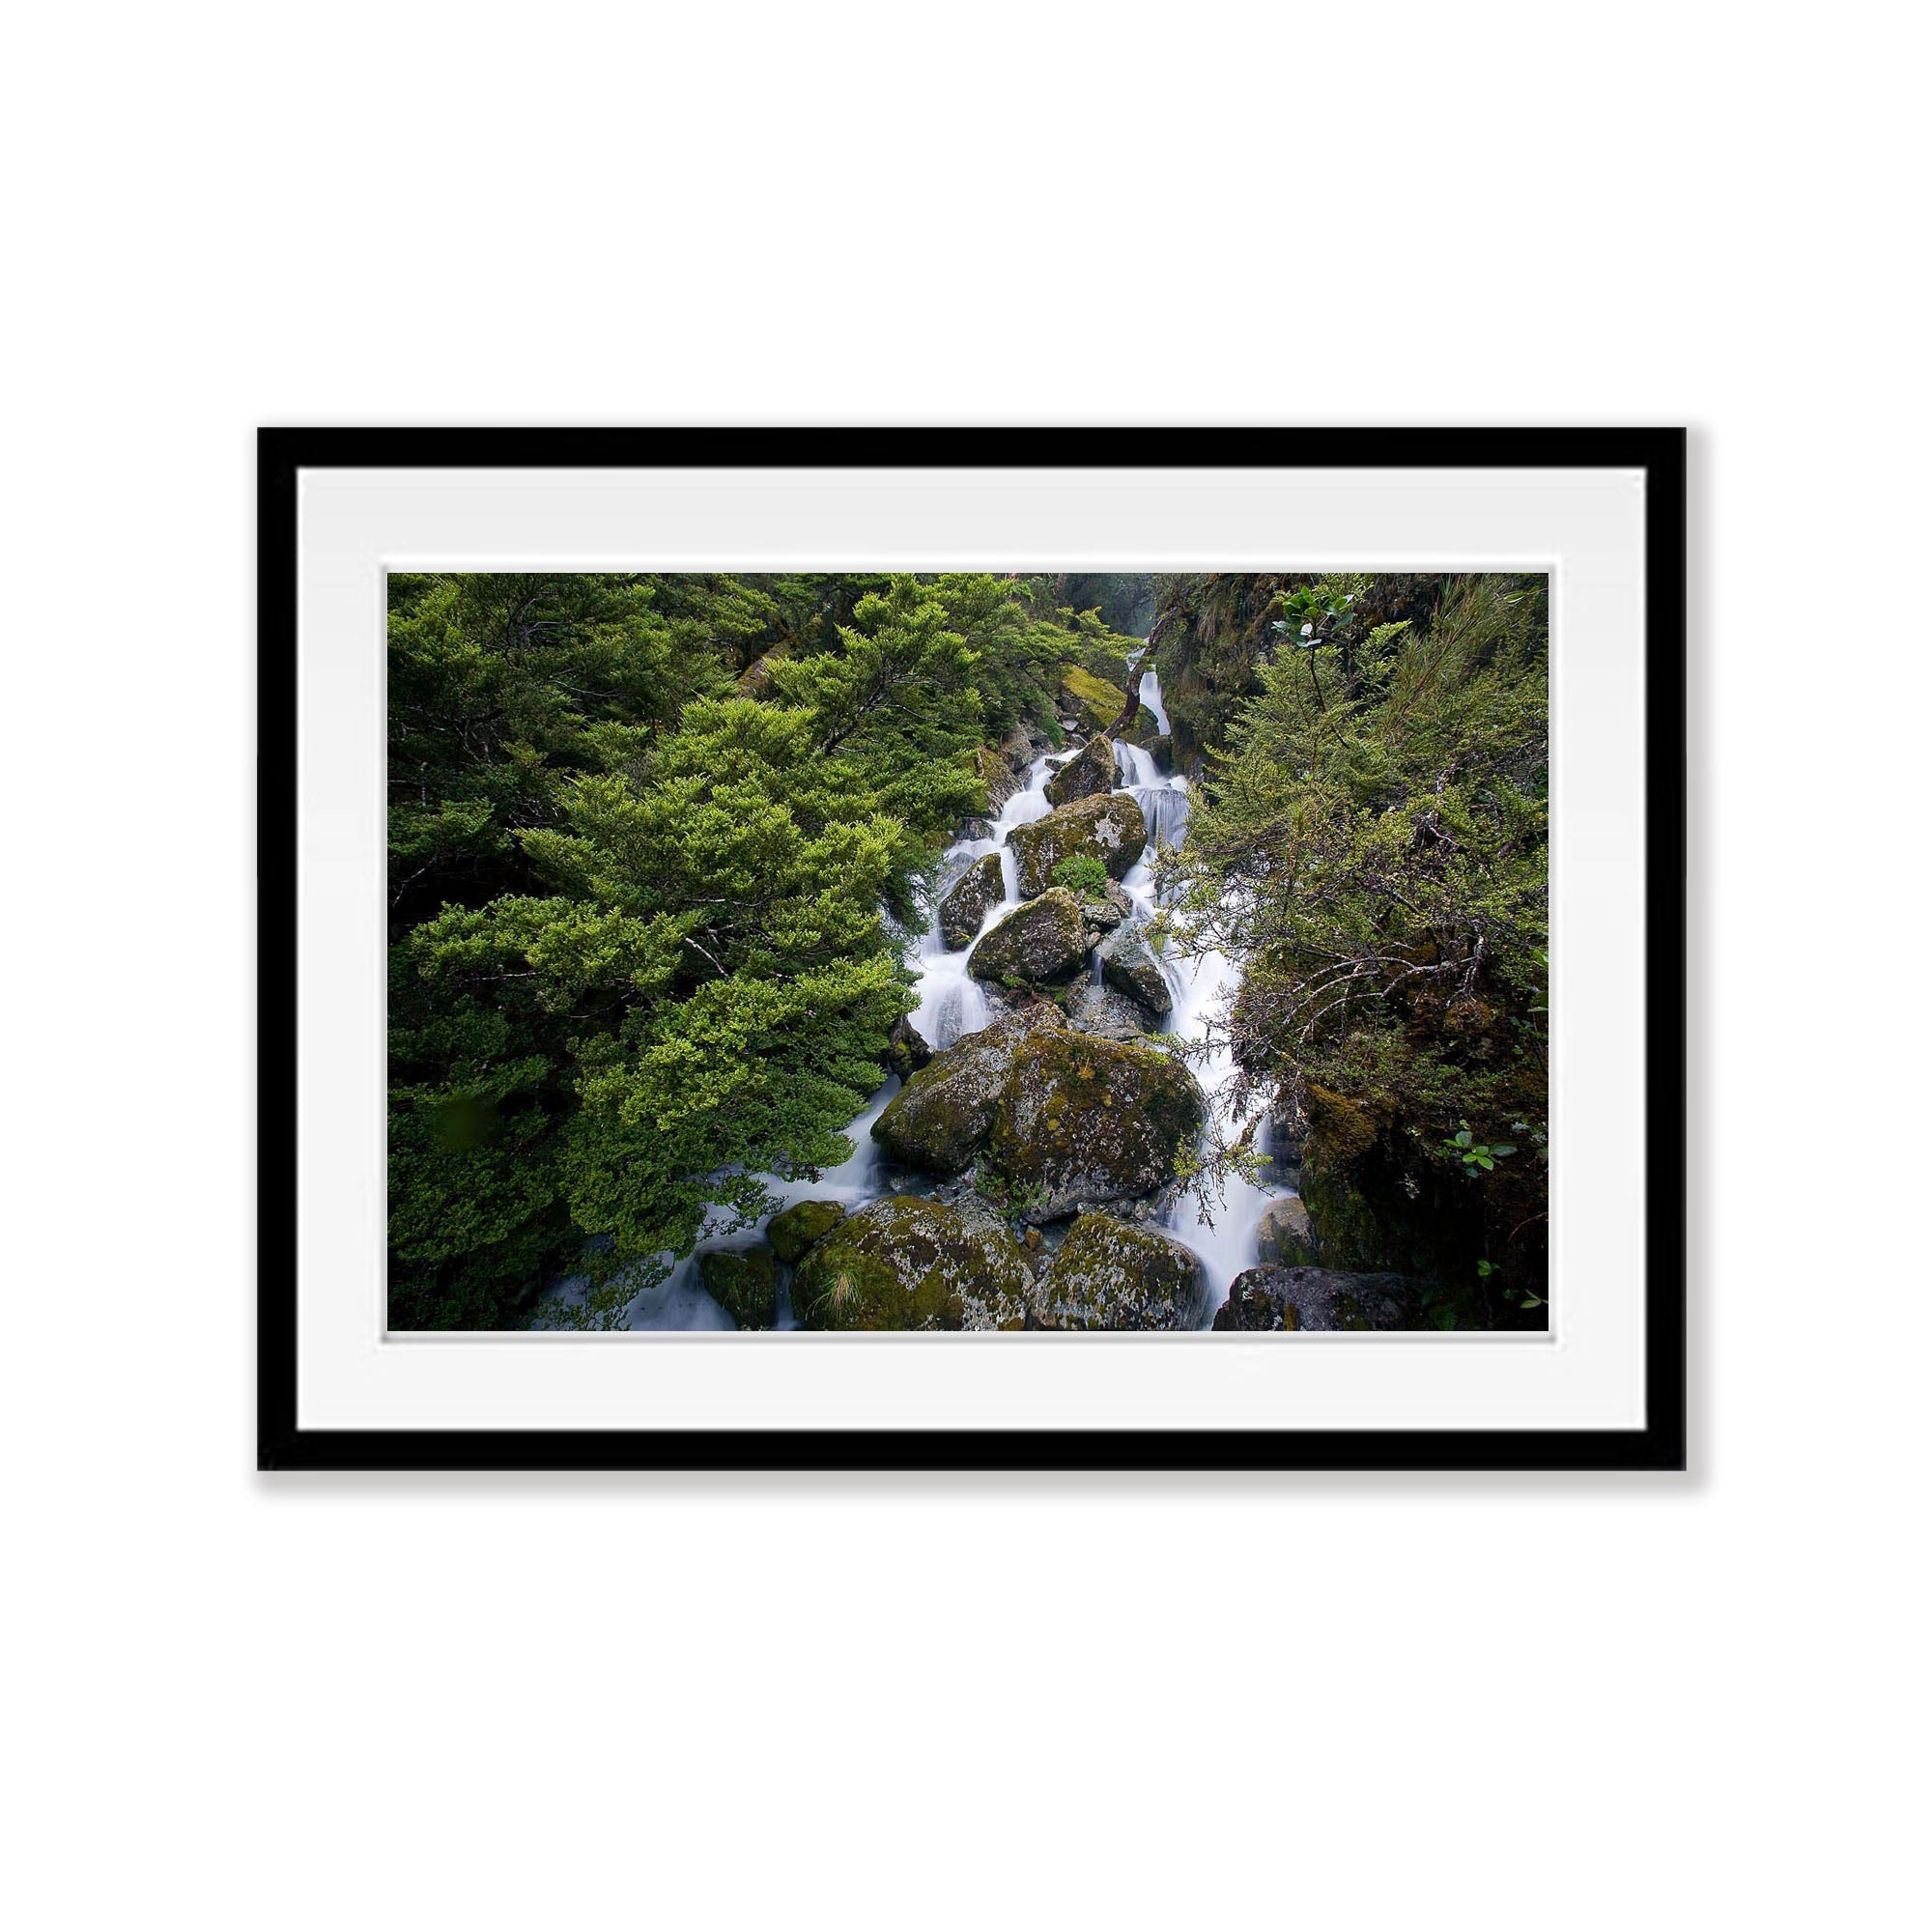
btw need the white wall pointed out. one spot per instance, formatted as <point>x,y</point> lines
<point>1511,1703</point>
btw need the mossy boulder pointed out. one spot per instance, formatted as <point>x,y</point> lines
<point>1095,769</point>
<point>1090,700</point>
<point>1128,963</point>
<point>996,774</point>
<point>1101,912</point>
<point>1112,827</point>
<point>907,1049</point>
<point>1082,1118</point>
<point>1043,941</point>
<point>938,1120</point>
<point>1282,1235</point>
<point>1272,1299</point>
<point>744,1281</point>
<point>1110,1275</point>
<point>800,1225</point>
<point>904,1263</point>
<point>980,889</point>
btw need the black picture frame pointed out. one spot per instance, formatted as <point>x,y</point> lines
<point>1659,1445</point>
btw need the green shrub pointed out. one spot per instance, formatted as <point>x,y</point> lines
<point>1084,875</point>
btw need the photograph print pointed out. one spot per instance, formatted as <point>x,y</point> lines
<point>968,952</point>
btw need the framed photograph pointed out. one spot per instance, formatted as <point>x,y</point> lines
<point>972,948</point>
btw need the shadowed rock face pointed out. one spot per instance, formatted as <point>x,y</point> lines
<point>1282,1235</point>
<point>1112,827</point>
<point>802,1224</point>
<point>1128,963</point>
<point>980,889</point>
<point>1265,1299</point>
<point>903,1262</point>
<point>938,1120</point>
<point>1044,940</point>
<point>1109,1275</point>
<point>1095,770</point>
<point>744,1281</point>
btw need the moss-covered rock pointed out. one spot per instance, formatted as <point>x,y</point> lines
<point>744,1281</point>
<point>1103,1011</point>
<point>1110,1275</point>
<point>1283,1235</point>
<point>1044,941</point>
<point>998,777</point>
<point>903,1262</point>
<point>800,1225</point>
<point>907,1049</point>
<point>938,1120</point>
<point>1095,769</point>
<point>1112,827</point>
<point>1270,1300</point>
<point>1088,699</point>
<point>1102,912</point>
<point>980,889</point>
<point>1128,963</point>
<point>1081,1119</point>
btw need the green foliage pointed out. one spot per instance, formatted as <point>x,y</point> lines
<point>1083,874</point>
<point>1371,850</point>
<point>657,845</point>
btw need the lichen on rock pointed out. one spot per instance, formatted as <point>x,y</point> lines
<point>941,1117</point>
<point>1127,962</point>
<point>1043,941</point>
<point>1111,826</point>
<point>1282,1235</point>
<point>977,891</point>
<point>1095,769</point>
<point>904,1263</point>
<point>1082,1117</point>
<point>1110,1275</point>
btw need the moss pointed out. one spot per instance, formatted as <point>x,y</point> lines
<point>744,1281</point>
<point>1096,703</point>
<point>800,1225</point>
<point>1044,941</point>
<point>1093,772</point>
<point>1083,1118</point>
<point>1112,827</point>
<point>904,1263</point>
<point>977,891</point>
<point>940,1118</point>
<point>1108,1276</point>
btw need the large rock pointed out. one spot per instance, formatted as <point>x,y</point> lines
<point>1111,827</point>
<point>1083,1118</point>
<point>980,888</point>
<point>903,1262</point>
<point>907,1049</point>
<point>1103,911</point>
<point>1127,962</point>
<point>1044,941</point>
<point>938,1120</point>
<point>1101,1009</point>
<point>800,1225</point>
<point>744,1281</point>
<point>1267,1300</point>
<point>1110,1275</point>
<point>1283,1235</point>
<point>1095,770</point>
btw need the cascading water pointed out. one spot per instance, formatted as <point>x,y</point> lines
<point>952,1005</point>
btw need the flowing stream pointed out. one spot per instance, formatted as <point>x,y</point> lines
<point>953,1004</point>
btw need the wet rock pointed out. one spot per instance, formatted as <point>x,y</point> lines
<point>1105,1011</point>
<point>1111,827</point>
<point>1160,748</point>
<point>1128,963</point>
<point>744,1281</point>
<point>903,1262</point>
<point>996,774</point>
<point>980,888</point>
<point>803,1223</point>
<point>1283,1235</point>
<point>1082,1118</point>
<point>1095,770</point>
<point>1267,1300</point>
<point>941,1117</point>
<point>907,1049</point>
<point>1044,941</point>
<point>1101,913</point>
<point>1110,1275</point>
<point>976,828</point>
